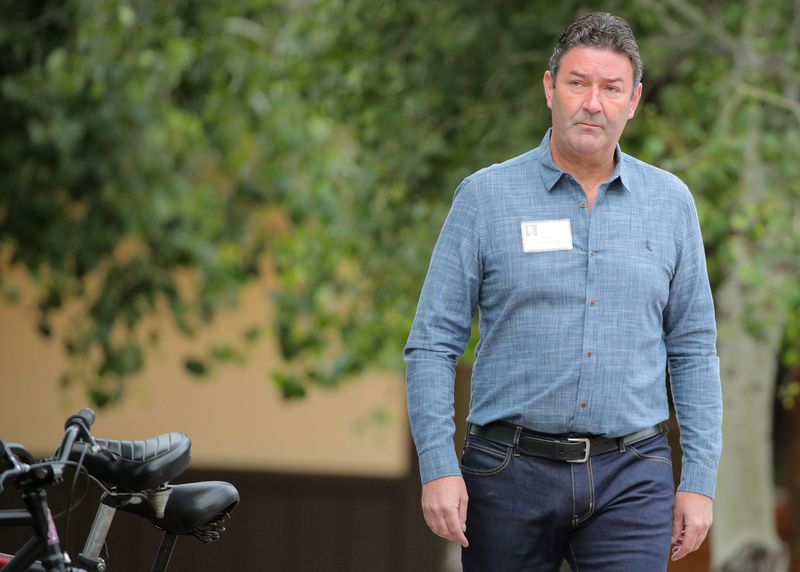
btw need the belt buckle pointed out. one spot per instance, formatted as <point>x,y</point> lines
<point>587,443</point>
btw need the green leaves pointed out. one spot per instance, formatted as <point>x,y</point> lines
<point>156,157</point>
<point>112,185</point>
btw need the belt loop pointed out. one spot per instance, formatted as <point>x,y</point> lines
<point>466,438</point>
<point>517,433</point>
<point>621,444</point>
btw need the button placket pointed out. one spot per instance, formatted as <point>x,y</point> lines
<point>587,370</point>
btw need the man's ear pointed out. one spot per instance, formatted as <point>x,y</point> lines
<point>549,85</point>
<point>637,95</point>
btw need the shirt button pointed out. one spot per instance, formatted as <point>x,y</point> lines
<point>583,204</point>
<point>591,253</point>
<point>593,302</point>
<point>584,405</point>
<point>588,354</point>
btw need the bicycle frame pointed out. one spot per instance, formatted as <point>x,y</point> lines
<point>32,480</point>
<point>90,559</point>
<point>44,545</point>
<point>37,550</point>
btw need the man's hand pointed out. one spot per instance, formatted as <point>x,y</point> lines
<point>691,519</point>
<point>444,505</point>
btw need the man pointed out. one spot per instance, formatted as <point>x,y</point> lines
<point>588,271</point>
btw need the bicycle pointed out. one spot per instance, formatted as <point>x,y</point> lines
<point>134,476</point>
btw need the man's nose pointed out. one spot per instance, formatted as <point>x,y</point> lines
<point>591,102</point>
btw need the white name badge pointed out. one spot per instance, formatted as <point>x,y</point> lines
<point>546,235</point>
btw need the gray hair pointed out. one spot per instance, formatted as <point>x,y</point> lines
<point>599,30</point>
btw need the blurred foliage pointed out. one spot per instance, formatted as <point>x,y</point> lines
<point>723,112</point>
<point>158,156</point>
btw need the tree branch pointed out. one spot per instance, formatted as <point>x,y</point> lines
<point>701,20</point>
<point>729,109</point>
<point>794,32</point>
<point>671,25</point>
<point>772,98</point>
<point>792,82</point>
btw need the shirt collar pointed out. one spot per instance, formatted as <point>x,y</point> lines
<point>551,174</point>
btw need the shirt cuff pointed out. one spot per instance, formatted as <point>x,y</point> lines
<point>437,463</point>
<point>696,478</point>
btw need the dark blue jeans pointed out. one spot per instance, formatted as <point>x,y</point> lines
<point>612,513</point>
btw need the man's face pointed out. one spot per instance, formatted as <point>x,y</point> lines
<point>591,100</point>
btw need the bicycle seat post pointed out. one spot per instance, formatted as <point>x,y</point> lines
<point>90,557</point>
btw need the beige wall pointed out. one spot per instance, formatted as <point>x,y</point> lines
<point>236,418</point>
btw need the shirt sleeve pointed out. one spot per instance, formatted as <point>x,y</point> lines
<point>440,333</point>
<point>690,336</point>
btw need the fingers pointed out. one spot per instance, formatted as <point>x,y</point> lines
<point>688,541</point>
<point>448,526</point>
<point>444,505</point>
<point>446,521</point>
<point>456,527</point>
<point>677,527</point>
<point>691,522</point>
<point>462,514</point>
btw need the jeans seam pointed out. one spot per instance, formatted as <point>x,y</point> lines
<point>645,457</point>
<point>574,506</point>
<point>487,450</point>
<point>479,472</point>
<point>590,474</point>
<point>574,558</point>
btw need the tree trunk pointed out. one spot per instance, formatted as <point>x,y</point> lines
<point>744,534</point>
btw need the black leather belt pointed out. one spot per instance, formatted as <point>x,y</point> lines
<point>572,449</point>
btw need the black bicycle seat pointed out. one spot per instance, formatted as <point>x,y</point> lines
<point>137,465</point>
<point>192,508</point>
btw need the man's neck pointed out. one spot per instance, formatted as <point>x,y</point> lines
<point>589,170</point>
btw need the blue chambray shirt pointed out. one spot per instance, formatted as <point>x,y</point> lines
<point>571,340</point>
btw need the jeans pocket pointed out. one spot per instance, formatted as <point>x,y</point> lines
<point>653,449</point>
<point>482,457</point>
